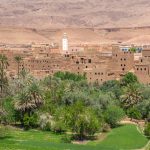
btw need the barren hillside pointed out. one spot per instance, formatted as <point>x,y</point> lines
<point>20,36</point>
<point>78,13</point>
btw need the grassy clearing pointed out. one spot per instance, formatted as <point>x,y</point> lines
<point>122,138</point>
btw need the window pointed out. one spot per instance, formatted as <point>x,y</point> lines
<point>89,61</point>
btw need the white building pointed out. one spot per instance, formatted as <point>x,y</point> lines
<point>65,45</point>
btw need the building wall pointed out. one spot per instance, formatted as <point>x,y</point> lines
<point>43,60</point>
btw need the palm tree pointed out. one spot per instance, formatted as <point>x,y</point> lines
<point>132,96</point>
<point>29,99</point>
<point>3,67</point>
<point>47,82</point>
<point>23,103</point>
<point>23,74</point>
<point>18,60</point>
<point>35,93</point>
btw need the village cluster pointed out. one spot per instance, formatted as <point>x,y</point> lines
<point>99,63</point>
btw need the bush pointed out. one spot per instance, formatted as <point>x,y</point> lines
<point>9,112</point>
<point>69,76</point>
<point>129,78</point>
<point>83,121</point>
<point>147,129</point>
<point>58,127</point>
<point>106,128</point>
<point>30,121</point>
<point>3,131</point>
<point>112,86</point>
<point>66,138</point>
<point>134,113</point>
<point>113,115</point>
<point>46,122</point>
<point>26,122</point>
<point>144,108</point>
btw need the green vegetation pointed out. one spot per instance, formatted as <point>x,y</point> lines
<point>123,137</point>
<point>70,108</point>
<point>18,60</point>
<point>113,115</point>
<point>133,49</point>
<point>147,129</point>
<point>69,76</point>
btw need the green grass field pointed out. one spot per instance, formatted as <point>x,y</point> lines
<point>122,138</point>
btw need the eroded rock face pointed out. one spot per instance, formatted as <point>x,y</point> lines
<point>68,13</point>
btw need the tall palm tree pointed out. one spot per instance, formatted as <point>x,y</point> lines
<point>3,66</point>
<point>18,60</point>
<point>23,103</point>
<point>29,99</point>
<point>35,93</point>
<point>47,82</point>
<point>131,96</point>
<point>23,74</point>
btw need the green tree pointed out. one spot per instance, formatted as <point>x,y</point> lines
<point>112,86</point>
<point>113,115</point>
<point>129,78</point>
<point>18,60</point>
<point>29,99</point>
<point>132,96</point>
<point>134,113</point>
<point>69,76</point>
<point>3,78</point>
<point>147,129</point>
<point>133,49</point>
<point>82,120</point>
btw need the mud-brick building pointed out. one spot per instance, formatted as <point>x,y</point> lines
<point>121,62</point>
<point>142,68</point>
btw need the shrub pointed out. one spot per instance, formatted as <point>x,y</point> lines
<point>129,78</point>
<point>112,86</point>
<point>147,129</point>
<point>9,112</point>
<point>106,128</point>
<point>3,131</point>
<point>83,121</point>
<point>26,122</point>
<point>113,115</point>
<point>134,113</point>
<point>46,122</point>
<point>58,127</point>
<point>66,138</point>
<point>30,121</point>
<point>69,76</point>
<point>34,120</point>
